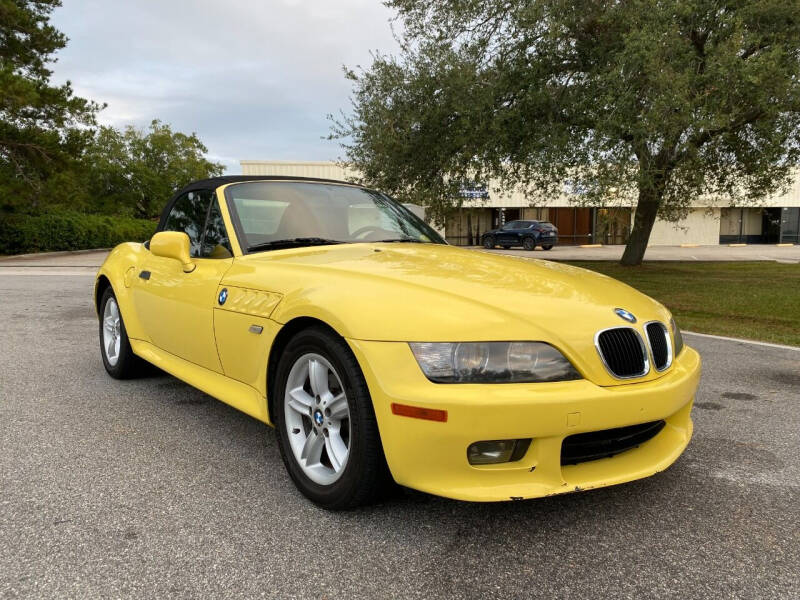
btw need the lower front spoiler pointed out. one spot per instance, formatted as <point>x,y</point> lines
<point>431,456</point>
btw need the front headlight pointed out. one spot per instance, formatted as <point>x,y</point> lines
<point>492,362</point>
<point>676,334</point>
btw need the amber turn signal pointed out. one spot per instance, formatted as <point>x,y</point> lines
<point>418,412</point>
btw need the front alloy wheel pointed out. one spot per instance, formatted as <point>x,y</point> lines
<point>488,242</point>
<point>529,243</point>
<point>317,419</point>
<point>111,331</point>
<point>325,422</point>
<point>115,348</point>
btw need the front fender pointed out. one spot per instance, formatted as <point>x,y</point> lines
<point>315,304</point>
<point>120,269</point>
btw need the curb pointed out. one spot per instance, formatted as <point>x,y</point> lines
<point>57,253</point>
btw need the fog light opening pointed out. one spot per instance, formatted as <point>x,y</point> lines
<point>492,452</point>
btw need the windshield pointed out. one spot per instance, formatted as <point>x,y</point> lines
<point>280,214</point>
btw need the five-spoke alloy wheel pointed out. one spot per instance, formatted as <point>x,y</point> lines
<point>317,418</point>
<point>325,422</point>
<point>115,348</point>
<point>112,331</point>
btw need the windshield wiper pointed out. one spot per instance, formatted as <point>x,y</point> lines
<point>405,239</point>
<point>293,243</point>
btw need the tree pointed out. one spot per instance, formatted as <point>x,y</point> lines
<point>658,101</point>
<point>134,172</point>
<point>42,127</point>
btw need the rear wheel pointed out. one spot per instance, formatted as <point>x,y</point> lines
<point>547,246</point>
<point>115,348</point>
<point>327,432</point>
<point>488,242</point>
<point>506,247</point>
<point>529,243</point>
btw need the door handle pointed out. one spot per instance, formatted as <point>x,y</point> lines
<point>144,275</point>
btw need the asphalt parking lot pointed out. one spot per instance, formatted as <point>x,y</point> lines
<point>149,488</point>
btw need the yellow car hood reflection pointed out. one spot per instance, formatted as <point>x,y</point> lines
<point>428,292</point>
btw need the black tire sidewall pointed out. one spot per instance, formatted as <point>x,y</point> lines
<point>127,363</point>
<point>488,242</point>
<point>529,242</point>
<point>364,459</point>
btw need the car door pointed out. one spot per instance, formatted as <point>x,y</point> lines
<point>506,234</point>
<point>520,230</point>
<point>174,307</point>
<point>527,229</point>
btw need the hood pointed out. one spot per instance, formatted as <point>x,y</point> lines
<point>431,292</point>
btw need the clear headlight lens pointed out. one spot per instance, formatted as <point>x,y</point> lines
<point>492,362</point>
<point>676,334</point>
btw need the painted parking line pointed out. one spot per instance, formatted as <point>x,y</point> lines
<point>740,340</point>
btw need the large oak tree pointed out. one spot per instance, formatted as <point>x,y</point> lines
<point>658,101</point>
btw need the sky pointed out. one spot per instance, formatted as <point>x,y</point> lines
<point>254,79</point>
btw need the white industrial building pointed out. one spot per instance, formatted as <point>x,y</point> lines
<point>708,222</point>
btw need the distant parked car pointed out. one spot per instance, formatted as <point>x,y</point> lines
<point>527,234</point>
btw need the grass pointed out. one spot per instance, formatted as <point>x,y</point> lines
<point>751,300</point>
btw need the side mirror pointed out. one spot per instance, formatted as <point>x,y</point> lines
<point>173,244</point>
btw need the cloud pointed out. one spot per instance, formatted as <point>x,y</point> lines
<point>254,79</point>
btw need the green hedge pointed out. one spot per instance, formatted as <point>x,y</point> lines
<point>69,231</point>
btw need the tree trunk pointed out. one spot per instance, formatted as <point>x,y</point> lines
<point>646,211</point>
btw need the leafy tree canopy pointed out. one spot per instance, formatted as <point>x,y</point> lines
<point>52,154</point>
<point>134,172</point>
<point>656,100</point>
<point>42,127</point>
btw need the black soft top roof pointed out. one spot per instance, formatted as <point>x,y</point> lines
<point>215,182</point>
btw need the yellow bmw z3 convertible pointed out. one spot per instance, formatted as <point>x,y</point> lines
<point>379,352</point>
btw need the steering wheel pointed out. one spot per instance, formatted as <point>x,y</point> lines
<point>361,231</point>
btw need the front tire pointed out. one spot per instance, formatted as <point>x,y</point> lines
<point>115,347</point>
<point>488,242</point>
<point>327,432</point>
<point>529,244</point>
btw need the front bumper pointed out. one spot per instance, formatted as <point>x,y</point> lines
<point>432,456</point>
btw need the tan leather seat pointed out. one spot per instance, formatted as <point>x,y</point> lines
<point>298,221</point>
